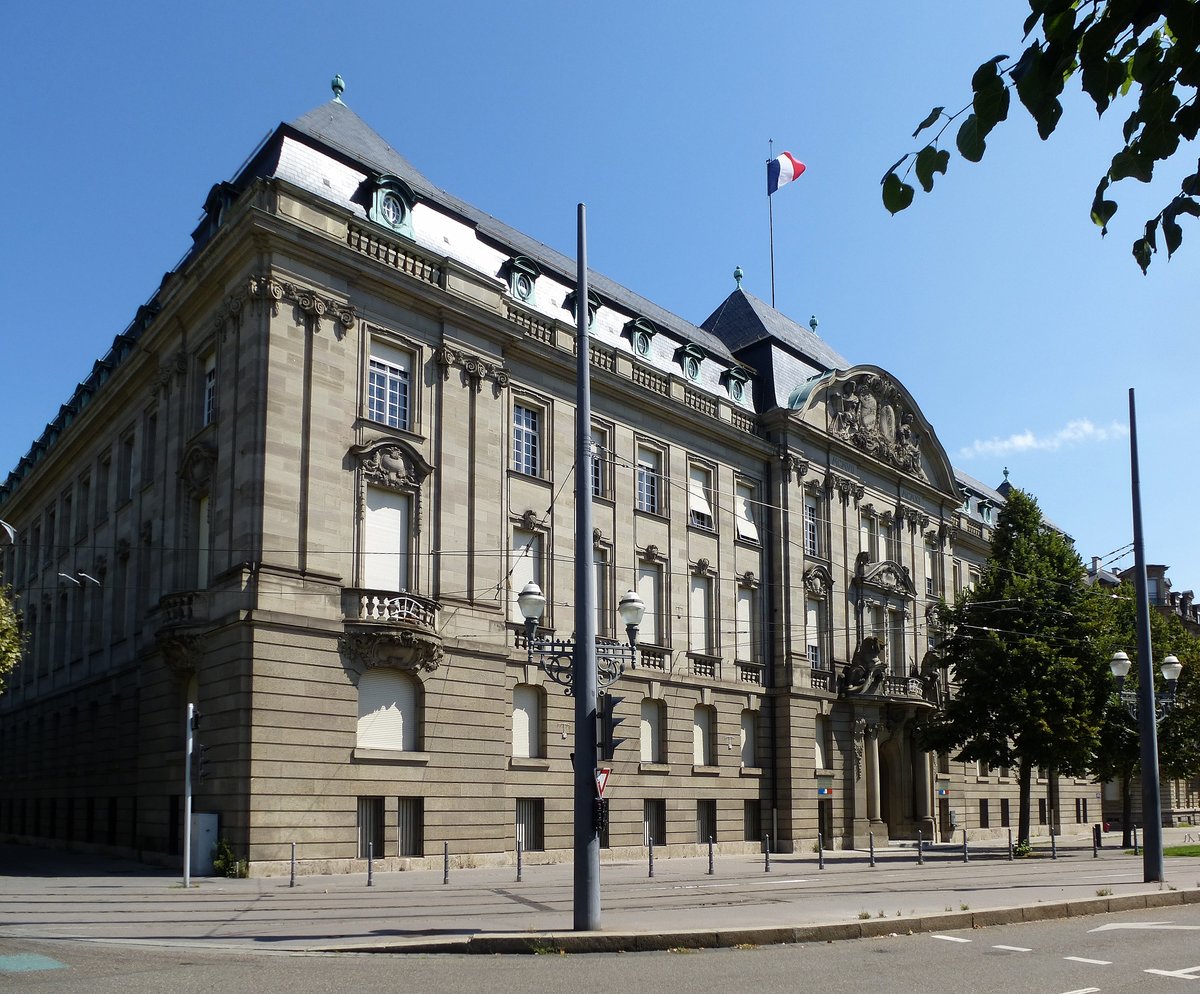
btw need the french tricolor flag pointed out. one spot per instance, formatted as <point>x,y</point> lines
<point>782,170</point>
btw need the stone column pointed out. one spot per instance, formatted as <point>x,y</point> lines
<point>924,812</point>
<point>871,747</point>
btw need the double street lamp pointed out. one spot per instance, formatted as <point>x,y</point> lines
<point>583,666</point>
<point>1170,669</point>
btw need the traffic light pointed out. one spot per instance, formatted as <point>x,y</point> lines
<point>610,725</point>
<point>200,760</point>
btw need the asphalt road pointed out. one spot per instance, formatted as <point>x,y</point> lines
<point>1148,950</point>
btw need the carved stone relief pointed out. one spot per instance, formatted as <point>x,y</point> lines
<point>475,369</point>
<point>869,411</point>
<point>404,649</point>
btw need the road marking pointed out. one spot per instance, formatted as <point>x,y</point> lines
<point>951,938</point>
<point>1084,990</point>
<point>1188,974</point>
<point>1152,926</point>
<point>757,883</point>
<point>1014,949</point>
<point>1090,962</point>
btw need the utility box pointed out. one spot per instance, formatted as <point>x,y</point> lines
<point>204,840</point>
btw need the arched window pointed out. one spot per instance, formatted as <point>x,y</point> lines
<point>749,738</point>
<point>653,731</point>
<point>703,753</point>
<point>389,711</point>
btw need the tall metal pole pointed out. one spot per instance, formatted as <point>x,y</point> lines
<point>188,739</point>
<point>1152,853</point>
<point>587,836</point>
<point>771,220</point>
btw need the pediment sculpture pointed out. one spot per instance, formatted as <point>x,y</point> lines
<point>871,413</point>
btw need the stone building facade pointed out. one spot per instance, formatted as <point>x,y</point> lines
<point>302,489</point>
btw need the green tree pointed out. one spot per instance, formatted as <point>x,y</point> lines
<point>11,637</point>
<point>1118,757</point>
<point>1118,50</point>
<point>1030,682</point>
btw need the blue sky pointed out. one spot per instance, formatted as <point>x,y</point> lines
<point>1018,330</point>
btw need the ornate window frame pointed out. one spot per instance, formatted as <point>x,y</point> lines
<point>388,193</point>
<point>521,274</point>
<point>640,331</point>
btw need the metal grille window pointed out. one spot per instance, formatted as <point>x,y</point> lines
<point>388,386</point>
<point>649,480</point>
<point>370,827</point>
<point>706,820</point>
<point>752,820</point>
<point>531,815</point>
<point>654,821</point>
<point>526,440</point>
<point>411,827</point>
<point>208,409</point>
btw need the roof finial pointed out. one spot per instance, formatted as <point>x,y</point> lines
<point>737,276</point>
<point>812,323</point>
<point>338,85</point>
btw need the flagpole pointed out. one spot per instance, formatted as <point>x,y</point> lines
<point>771,220</point>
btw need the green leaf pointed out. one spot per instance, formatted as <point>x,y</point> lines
<point>1102,209</point>
<point>970,142</point>
<point>1172,235</point>
<point>990,102</point>
<point>929,161</point>
<point>1129,162</point>
<point>897,195</point>
<point>895,165</point>
<point>1141,254</point>
<point>933,116</point>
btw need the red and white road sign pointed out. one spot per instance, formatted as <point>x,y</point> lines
<point>602,775</point>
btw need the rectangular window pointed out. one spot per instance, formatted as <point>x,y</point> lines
<point>749,739</point>
<point>527,721</point>
<point>601,461</point>
<point>703,753</point>
<point>700,611</point>
<point>388,394</point>
<point>149,446</point>
<point>387,532</point>
<point>654,821</point>
<point>1041,811</point>
<point>706,821</point>
<point>894,532</point>
<point>745,508</point>
<point>958,577</point>
<point>411,827</point>
<point>531,819</point>
<point>600,597</point>
<point>649,588</point>
<point>125,468</point>
<point>649,480</point>
<point>83,507</point>
<point>700,485</point>
<point>812,535</point>
<point>208,408</point>
<point>983,813</point>
<point>370,827</point>
<point>51,534</point>
<point>526,568</point>
<point>652,727</point>
<point>748,648</point>
<point>931,584</point>
<point>752,820</point>
<point>868,535</point>
<point>896,642</point>
<point>527,455</point>
<point>65,519</point>
<point>972,578</point>
<point>822,743</point>
<point>1004,812</point>
<point>813,632</point>
<point>103,477</point>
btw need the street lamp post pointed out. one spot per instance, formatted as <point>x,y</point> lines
<point>573,662</point>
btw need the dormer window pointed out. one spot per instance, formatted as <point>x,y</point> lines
<point>521,274</point>
<point>593,305</point>
<point>640,333</point>
<point>735,383</point>
<point>689,358</point>
<point>391,204</point>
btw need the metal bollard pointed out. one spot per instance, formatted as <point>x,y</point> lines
<point>766,854</point>
<point>920,850</point>
<point>370,864</point>
<point>652,855</point>
<point>1010,846</point>
<point>1135,844</point>
<point>820,851</point>
<point>293,880</point>
<point>966,858</point>
<point>710,856</point>
<point>871,842</point>
<point>520,851</point>
<point>1095,841</point>
<point>445,862</point>
<point>1053,845</point>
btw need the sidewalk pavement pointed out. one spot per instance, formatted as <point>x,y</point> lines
<point>54,894</point>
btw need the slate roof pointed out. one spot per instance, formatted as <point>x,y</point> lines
<point>742,320</point>
<point>337,126</point>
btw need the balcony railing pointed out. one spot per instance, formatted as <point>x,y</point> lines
<point>188,607</point>
<point>750,673</point>
<point>383,607</point>
<point>820,679</point>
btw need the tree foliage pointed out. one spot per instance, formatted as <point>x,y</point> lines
<point>1030,682</point>
<point>11,637</point>
<point>1142,51</point>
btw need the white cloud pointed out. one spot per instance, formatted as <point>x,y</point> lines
<point>1076,432</point>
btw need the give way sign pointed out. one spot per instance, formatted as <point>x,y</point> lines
<point>602,774</point>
